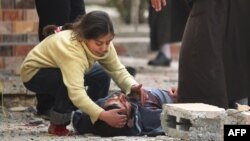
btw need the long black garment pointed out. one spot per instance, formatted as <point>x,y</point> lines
<point>58,12</point>
<point>214,58</point>
<point>167,25</point>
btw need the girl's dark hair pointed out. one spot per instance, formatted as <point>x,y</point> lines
<point>90,26</point>
<point>93,25</point>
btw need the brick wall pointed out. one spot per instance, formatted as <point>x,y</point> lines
<point>18,32</point>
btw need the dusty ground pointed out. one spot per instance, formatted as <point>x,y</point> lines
<point>24,126</point>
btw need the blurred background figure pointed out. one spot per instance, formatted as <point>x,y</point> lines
<point>58,12</point>
<point>166,28</point>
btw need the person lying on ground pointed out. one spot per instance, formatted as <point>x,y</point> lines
<point>141,120</point>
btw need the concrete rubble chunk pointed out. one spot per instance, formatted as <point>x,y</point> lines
<point>193,121</point>
<point>237,117</point>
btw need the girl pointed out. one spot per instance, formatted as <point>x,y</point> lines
<point>60,63</point>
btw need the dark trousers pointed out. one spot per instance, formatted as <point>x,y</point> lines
<point>58,12</point>
<point>167,25</point>
<point>53,94</point>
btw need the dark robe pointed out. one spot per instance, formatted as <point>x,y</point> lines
<point>214,58</point>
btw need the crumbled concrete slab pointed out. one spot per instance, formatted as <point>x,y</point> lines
<point>237,117</point>
<point>193,121</point>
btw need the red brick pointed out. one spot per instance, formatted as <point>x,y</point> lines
<point>25,27</point>
<point>12,15</point>
<point>21,50</point>
<point>30,15</point>
<point>5,27</point>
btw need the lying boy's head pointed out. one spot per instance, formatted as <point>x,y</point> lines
<point>105,130</point>
<point>119,100</point>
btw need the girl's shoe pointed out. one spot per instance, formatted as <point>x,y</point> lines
<point>59,130</point>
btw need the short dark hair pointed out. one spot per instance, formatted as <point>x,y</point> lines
<point>105,130</point>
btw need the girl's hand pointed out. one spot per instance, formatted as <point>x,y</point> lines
<point>113,118</point>
<point>138,89</point>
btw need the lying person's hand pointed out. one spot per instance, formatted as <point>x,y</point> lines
<point>173,94</point>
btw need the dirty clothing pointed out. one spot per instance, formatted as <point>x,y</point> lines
<point>146,118</point>
<point>214,58</point>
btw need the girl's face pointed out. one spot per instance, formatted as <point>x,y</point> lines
<point>100,45</point>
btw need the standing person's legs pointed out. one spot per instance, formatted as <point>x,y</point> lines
<point>153,28</point>
<point>77,9</point>
<point>169,27</point>
<point>159,34</point>
<point>201,66</point>
<point>236,53</point>
<point>55,12</point>
<point>97,82</point>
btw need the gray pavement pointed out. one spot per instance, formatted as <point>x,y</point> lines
<point>149,76</point>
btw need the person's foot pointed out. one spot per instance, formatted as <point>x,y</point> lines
<point>59,130</point>
<point>160,60</point>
